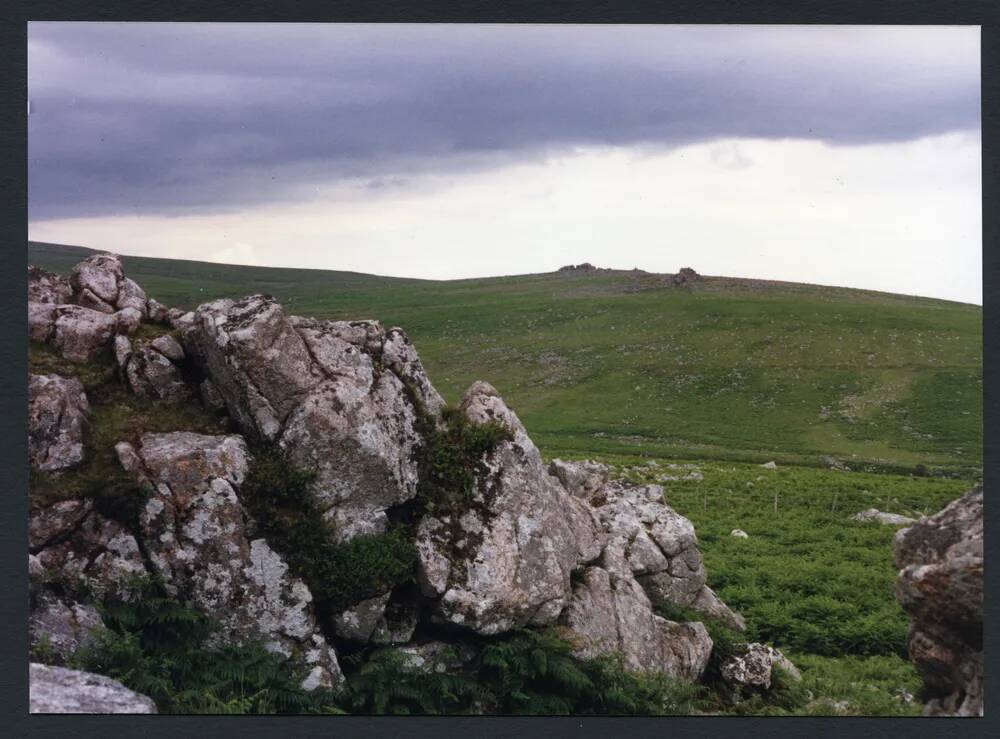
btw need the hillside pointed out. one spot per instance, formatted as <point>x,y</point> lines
<point>624,363</point>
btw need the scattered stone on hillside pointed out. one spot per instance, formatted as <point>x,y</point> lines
<point>76,546</point>
<point>100,274</point>
<point>156,311</point>
<point>585,267</point>
<point>506,562</point>
<point>770,465</point>
<point>833,463</point>
<point>193,533</point>
<point>940,586</point>
<point>60,690</point>
<point>57,412</point>
<point>56,629</point>
<point>358,622</point>
<point>611,613</point>
<point>874,515</point>
<point>48,287</point>
<point>581,479</point>
<point>80,333</point>
<point>333,394</point>
<point>739,534</point>
<point>751,667</point>
<point>686,276</point>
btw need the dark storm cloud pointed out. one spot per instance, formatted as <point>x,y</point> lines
<point>181,117</point>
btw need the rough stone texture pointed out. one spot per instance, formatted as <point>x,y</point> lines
<point>358,622</point>
<point>507,561</point>
<point>581,479</point>
<point>48,287</point>
<point>440,656</point>
<point>877,516</point>
<point>101,274</point>
<point>751,668</point>
<point>74,545</point>
<point>127,321</point>
<point>81,333</point>
<point>334,395</point>
<point>59,690</point>
<point>611,613</point>
<point>130,295</point>
<point>41,321</point>
<point>60,628</point>
<point>57,411</point>
<point>149,373</point>
<point>210,396</point>
<point>156,311</point>
<point>660,548</point>
<point>87,299</point>
<point>167,346</point>
<point>739,534</point>
<point>940,586</point>
<point>193,533</point>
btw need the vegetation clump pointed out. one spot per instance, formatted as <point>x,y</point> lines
<point>453,455</point>
<point>161,648</point>
<point>278,497</point>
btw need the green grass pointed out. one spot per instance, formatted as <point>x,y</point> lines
<point>728,369</point>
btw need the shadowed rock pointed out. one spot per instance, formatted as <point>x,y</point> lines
<point>57,411</point>
<point>940,586</point>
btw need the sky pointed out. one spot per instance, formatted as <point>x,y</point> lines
<point>833,155</point>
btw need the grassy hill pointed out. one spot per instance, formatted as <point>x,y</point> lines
<point>624,363</point>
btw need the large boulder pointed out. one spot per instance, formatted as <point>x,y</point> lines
<point>610,613</point>
<point>339,398</point>
<point>81,334</point>
<point>750,668</point>
<point>506,561</point>
<point>57,412</point>
<point>101,275</point>
<point>940,586</point>
<point>193,533</point>
<point>59,690</point>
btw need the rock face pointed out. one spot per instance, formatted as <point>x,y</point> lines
<point>57,411</point>
<point>506,561</point>
<point>58,690</point>
<point>192,531</point>
<point>60,628</point>
<point>79,333</point>
<point>48,287</point>
<point>338,397</point>
<point>658,545</point>
<point>151,368</point>
<point>874,515</point>
<point>940,586</point>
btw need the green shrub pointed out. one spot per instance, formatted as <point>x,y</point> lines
<point>278,497</point>
<point>158,647</point>
<point>452,455</point>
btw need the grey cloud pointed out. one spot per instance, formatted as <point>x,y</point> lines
<point>201,117</point>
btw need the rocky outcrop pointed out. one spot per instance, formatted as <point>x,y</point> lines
<point>57,412</point>
<point>76,546</point>
<point>507,560</point>
<point>193,532</point>
<point>940,586</point>
<point>874,515</point>
<point>81,334</point>
<point>337,397</point>
<point>59,690</point>
<point>152,369</point>
<point>657,543</point>
<point>48,287</point>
